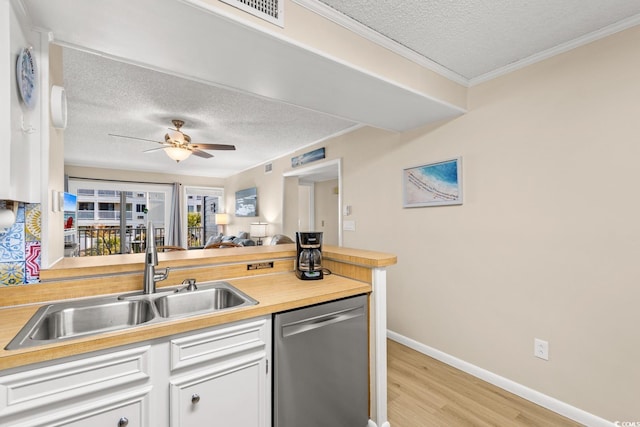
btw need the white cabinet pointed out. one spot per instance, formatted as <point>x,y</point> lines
<point>20,134</point>
<point>228,397</point>
<point>214,377</point>
<point>221,377</point>
<point>98,391</point>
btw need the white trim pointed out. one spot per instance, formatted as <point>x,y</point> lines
<point>375,37</point>
<point>379,337</point>
<point>561,48</point>
<point>525,392</point>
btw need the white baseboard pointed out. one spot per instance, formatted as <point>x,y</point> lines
<point>531,395</point>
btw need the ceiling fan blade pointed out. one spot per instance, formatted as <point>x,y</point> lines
<point>154,149</point>
<point>202,154</point>
<point>214,146</point>
<point>133,137</point>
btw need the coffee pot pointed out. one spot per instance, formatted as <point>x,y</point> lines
<point>309,255</point>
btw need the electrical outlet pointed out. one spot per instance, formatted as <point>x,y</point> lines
<point>541,349</point>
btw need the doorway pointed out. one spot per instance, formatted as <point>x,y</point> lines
<point>313,201</point>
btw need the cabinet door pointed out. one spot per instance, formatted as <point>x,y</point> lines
<point>234,396</point>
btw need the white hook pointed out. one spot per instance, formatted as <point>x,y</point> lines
<point>28,129</point>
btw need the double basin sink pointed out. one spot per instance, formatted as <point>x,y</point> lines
<point>66,320</point>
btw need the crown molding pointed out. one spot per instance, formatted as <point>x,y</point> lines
<point>356,27</point>
<point>561,48</point>
<point>335,16</point>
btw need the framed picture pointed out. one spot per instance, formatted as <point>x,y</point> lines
<point>247,202</point>
<point>311,156</point>
<point>433,184</point>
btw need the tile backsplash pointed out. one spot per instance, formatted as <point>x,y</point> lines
<point>20,247</point>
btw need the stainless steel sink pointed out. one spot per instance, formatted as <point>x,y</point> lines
<point>75,321</point>
<point>215,298</point>
<point>67,320</point>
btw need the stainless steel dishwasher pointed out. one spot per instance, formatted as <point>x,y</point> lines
<point>321,356</point>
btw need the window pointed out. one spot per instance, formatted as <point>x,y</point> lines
<point>86,210</point>
<point>108,193</point>
<point>202,205</point>
<point>99,229</point>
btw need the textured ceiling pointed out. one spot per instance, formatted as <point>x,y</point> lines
<point>476,37</point>
<point>110,97</point>
<point>472,39</point>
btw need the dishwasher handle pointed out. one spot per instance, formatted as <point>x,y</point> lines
<point>316,322</point>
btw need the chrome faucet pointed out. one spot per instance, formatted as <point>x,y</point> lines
<point>150,263</point>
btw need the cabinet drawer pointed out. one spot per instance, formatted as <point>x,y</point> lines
<point>219,344</point>
<point>128,410</point>
<point>56,383</point>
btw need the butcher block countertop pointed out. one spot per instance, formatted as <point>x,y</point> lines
<point>274,290</point>
<point>275,293</point>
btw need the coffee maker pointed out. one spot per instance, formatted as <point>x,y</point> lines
<point>309,255</point>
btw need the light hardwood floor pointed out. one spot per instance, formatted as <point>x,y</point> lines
<point>424,392</point>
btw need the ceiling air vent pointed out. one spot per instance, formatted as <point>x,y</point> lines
<point>269,10</point>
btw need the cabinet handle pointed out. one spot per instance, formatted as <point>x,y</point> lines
<point>124,422</point>
<point>195,398</point>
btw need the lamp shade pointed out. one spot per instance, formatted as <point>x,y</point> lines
<point>176,153</point>
<point>222,219</point>
<point>258,229</point>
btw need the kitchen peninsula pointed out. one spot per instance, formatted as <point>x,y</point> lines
<point>265,273</point>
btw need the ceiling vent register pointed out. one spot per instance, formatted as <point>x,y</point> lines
<point>269,10</point>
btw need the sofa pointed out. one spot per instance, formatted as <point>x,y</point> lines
<point>222,241</point>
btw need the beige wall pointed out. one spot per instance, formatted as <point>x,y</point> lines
<point>326,210</point>
<point>546,244</point>
<point>269,188</point>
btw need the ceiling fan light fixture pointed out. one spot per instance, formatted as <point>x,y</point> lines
<point>177,136</point>
<point>176,153</point>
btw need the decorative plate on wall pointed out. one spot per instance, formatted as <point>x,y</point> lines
<point>27,77</point>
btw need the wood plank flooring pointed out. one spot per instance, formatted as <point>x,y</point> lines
<point>423,392</point>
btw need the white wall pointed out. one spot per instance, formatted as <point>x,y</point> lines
<point>547,241</point>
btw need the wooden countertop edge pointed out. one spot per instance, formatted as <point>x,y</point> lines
<point>339,287</point>
<point>70,268</point>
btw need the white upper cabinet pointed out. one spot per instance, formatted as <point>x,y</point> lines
<point>21,122</point>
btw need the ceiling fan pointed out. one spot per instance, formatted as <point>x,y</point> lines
<point>178,145</point>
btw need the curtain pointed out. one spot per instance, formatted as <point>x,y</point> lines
<point>174,231</point>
